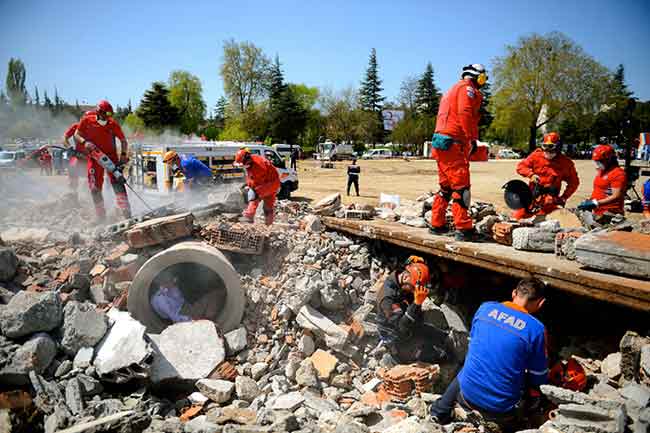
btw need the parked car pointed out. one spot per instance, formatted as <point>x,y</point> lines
<point>10,159</point>
<point>378,154</point>
<point>508,154</point>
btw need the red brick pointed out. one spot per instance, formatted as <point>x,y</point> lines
<point>159,230</point>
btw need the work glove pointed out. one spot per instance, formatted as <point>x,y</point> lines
<point>90,146</point>
<point>534,178</point>
<point>124,158</point>
<point>588,205</point>
<point>251,194</point>
<point>420,294</point>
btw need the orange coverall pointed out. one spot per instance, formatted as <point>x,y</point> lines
<point>262,177</point>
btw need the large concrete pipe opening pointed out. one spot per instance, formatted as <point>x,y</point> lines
<point>189,281</point>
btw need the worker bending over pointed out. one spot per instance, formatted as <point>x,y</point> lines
<point>547,168</point>
<point>196,173</point>
<point>98,130</point>
<point>452,144</point>
<point>401,325</point>
<point>610,184</point>
<point>506,357</point>
<point>263,183</point>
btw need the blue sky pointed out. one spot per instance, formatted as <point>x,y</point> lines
<point>114,49</point>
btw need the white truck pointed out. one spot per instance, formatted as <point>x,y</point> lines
<point>149,170</point>
<point>330,151</point>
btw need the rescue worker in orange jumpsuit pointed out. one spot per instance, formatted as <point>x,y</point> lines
<point>45,161</point>
<point>76,159</point>
<point>452,144</point>
<point>263,183</point>
<point>547,168</point>
<point>610,184</point>
<point>97,129</point>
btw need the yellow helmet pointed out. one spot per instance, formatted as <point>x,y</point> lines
<point>169,156</point>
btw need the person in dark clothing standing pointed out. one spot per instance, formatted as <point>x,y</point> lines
<point>353,176</point>
<point>400,322</point>
<point>294,159</point>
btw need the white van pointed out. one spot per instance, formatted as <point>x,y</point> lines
<point>150,172</point>
<point>377,154</point>
<point>284,150</point>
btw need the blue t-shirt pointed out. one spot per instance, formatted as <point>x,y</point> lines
<point>646,193</point>
<point>506,345</point>
<point>193,168</point>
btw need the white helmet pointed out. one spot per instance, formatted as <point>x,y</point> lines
<point>476,71</point>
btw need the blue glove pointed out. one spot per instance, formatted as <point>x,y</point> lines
<point>588,205</point>
<point>252,195</point>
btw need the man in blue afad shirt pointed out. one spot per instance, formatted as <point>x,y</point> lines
<point>196,173</point>
<point>506,357</point>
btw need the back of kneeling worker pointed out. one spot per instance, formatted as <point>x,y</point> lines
<point>506,358</point>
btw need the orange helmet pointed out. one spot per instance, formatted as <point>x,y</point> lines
<point>603,152</point>
<point>242,156</point>
<point>569,375</point>
<point>418,271</point>
<point>551,141</point>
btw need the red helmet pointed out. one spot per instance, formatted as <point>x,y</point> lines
<point>551,141</point>
<point>242,156</point>
<point>418,271</point>
<point>603,153</point>
<point>569,375</point>
<point>104,107</point>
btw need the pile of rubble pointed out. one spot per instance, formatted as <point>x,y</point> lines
<point>305,358</point>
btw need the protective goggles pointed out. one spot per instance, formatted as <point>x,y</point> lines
<point>482,78</point>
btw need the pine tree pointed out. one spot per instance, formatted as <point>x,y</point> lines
<point>58,102</point>
<point>155,110</point>
<point>47,102</point>
<point>427,96</point>
<point>129,108</point>
<point>370,94</point>
<point>37,98</point>
<point>286,116</point>
<point>486,116</point>
<point>220,110</point>
<point>620,88</point>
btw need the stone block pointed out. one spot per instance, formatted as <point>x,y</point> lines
<point>83,326</point>
<point>246,388</point>
<point>324,363</point>
<point>236,340</point>
<point>219,391</point>
<point>8,263</point>
<point>289,402</point>
<point>29,312</point>
<point>159,230</point>
<point>621,252</point>
<point>35,355</point>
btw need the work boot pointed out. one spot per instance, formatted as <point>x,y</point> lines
<point>467,235</point>
<point>440,231</point>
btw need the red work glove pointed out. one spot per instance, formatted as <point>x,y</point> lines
<point>420,294</point>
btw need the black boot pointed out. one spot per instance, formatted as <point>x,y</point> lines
<point>466,235</point>
<point>442,230</point>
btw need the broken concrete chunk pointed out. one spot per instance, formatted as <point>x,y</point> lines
<point>258,369</point>
<point>159,230</point>
<point>83,326</point>
<point>306,345</point>
<point>236,340</point>
<point>30,312</point>
<point>246,388</point>
<point>312,223</point>
<point>611,365</point>
<point>630,347</point>
<point>589,418</point>
<point>73,396</point>
<point>616,251</point>
<point>8,263</point>
<point>218,391</point>
<point>307,375</point>
<point>36,354</point>
<point>187,351</point>
<point>311,319</point>
<point>533,239</point>
<point>123,351</point>
<point>83,358</point>
<point>638,393</point>
<point>289,402</point>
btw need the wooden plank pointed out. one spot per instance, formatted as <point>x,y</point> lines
<point>559,273</point>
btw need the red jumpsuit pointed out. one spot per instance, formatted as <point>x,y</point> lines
<point>104,138</point>
<point>551,172</point>
<point>75,168</point>
<point>262,177</point>
<point>604,182</point>
<point>458,118</point>
<point>45,162</point>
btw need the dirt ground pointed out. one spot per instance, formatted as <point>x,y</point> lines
<point>409,179</point>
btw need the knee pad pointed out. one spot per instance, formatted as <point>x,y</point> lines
<point>463,197</point>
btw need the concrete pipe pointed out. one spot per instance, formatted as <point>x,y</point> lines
<point>206,286</point>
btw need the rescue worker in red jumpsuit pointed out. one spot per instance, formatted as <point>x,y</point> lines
<point>547,168</point>
<point>610,184</point>
<point>45,161</point>
<point>76,159</point>
<point>452,144</point>
<point>263,183</point>
<point>97,129</point>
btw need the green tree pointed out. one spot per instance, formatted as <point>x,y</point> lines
<point>155,110</point>
<point>220,111</point>
<point>234,130</point>
<point>15,82</point>
<point>287,117</point>
<point>486,116</point>
<point>371,101</point>
<point>427,96</point>
<point>186,95</point>
<point>342,116</point>
<point>47,102</point>
<point>244,71</point>
<point>134,123</point>
<point>548,74</point>
<point>610,119</point>
<point>306,96</point>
